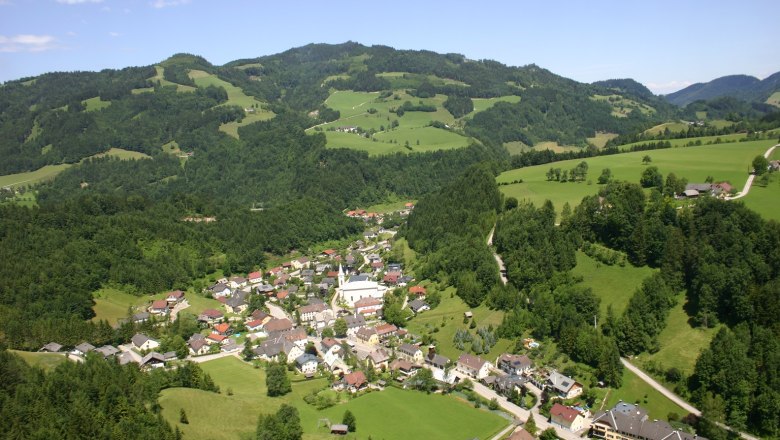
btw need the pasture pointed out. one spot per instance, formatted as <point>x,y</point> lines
<point>774,99</point>
<point>95,104</point>
<point>113,304</point>
<point>614,285</point>
<point>724,162</point>
<point>46,361</point>
<point>763,199</point>
<point>674,127</point>
<point>223,416</point>
<point>482,104</point>
<point>622,106</point>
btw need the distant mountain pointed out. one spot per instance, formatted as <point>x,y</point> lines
<point>628,86</point>
<point>743,87</point>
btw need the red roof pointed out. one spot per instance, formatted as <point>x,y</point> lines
<point>562,412</point>
<point>391,277</point>
<point>409,205</point>
<point>222,328</point>
<point>177,294</point>
<point>160,304</point>
<point>333,274</point>
<point>254,324</point>
<point>385,328</point>
<point>222,299</point>
<point>282,295</point>
<point>255,275</point>
<point>216,337</point>
<point>377,264</point>
<point>329,252</point>
<point>211,313</point>
<point>355,379</point>
<point>417,289</point>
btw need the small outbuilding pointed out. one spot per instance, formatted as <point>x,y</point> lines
<point>339,429</point>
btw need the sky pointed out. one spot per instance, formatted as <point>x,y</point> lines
<point>665,45</point>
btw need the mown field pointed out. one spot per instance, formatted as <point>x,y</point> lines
<point>223,416</point>
<point>614,285</point>
<point>724,162</point>
<point>47,361</point>
<point>763,199</point>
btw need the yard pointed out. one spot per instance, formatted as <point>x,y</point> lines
<point>379,414</point>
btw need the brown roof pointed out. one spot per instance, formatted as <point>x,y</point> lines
<point>312,308</point>
<point>561,413</point>
<point>401,364</point>
<point>367,302</point>
<point>276,325</point>
<point>355,379</point>
<point>216,337</point>
<point>384,329</point>
<point>521,434</point>
<point>417,289</point>
<point>212,313</point>
<point>254,324</point>
<point>222,328</point>
<point>471,361</point>
<point>160,304</point>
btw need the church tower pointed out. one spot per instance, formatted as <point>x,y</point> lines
<point>341,276</point>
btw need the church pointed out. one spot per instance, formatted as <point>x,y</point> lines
<point>358,287</point>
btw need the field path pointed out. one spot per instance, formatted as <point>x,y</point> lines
<point>752,177</point>
<point>675,398</point>
<point>499,261</point>
<point>340,119</point>
<point>504,432</point>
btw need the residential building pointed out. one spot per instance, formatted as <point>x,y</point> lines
<point>142,342</point>
<point>174,297</point>
<point>565,387</point>
<point>630,422</point>
<point>385,331</point>
<point>566,417</point>
<point>404,367</point>
<point>83,348</point>
<point>210,316</point>
<point>473,366</point>
<point>52,347</point>
<point>278,325</point>
<point>236,305</point>
<point>368,306</point>
<point>107,351</point>
<point>514,364</point>
<point>367,335</point>
<point>307,364</point>
<point>410,352</point>
<point>354,323</point>
<point>418,306</point>
<point>159,307</point>
<point>309,312</point>
<point>355,381</point>
<point>198,347</point>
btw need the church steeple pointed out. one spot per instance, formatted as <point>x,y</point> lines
<point>341,276</point>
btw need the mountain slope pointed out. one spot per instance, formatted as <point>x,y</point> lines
<point>743,87</point>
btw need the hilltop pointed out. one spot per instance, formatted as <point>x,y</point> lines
<point>742,87</point>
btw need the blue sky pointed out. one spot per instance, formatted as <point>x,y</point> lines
<point>665,45</point>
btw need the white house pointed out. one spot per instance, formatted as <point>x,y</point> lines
<point>307,364</point>
<point>142,342</point>
<point>473,366</point>
<point>368,306</point>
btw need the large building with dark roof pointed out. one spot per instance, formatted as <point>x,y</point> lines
<point>630,422</point>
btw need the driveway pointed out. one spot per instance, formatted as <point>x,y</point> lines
<point>752,177</point>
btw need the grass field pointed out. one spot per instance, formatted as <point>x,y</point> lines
<point>680,342</point>
<point>635,390</point>
<point>236,96</point>
<point>112,304</point>
<point>47,361</point>
<point>622,106</point>
<point>685,141</point>
<point>763,200</point>
<point>613,284</point>
<point>724,162</point>
<point>482,104</point>
<point>774,99</point>
<point>219,416</point>
<point>673,127</point>
<point>412,129</point>
<point>601,138</point>
<point>43,174</point>
<point>450,313</point>
<point>393,206</point>
<point>94,104</point>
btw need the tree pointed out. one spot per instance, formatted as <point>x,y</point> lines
<point>424,380</point>
<point>349,420</point>
<point>548,434</point>
<point>276,380</point>
<point>760,165</point>
<point>327,332</point>
<point>651,178</point>
<point>510,203</point>
<point>646,159</point>
<point>493,404</point>
<point>605,177</point>
<point>247,352</point>
<point>530,425</point>
<point>340,328</point>
<point>183,417</point>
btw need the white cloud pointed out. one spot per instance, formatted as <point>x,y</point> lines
<point>27,43</point>
<point>70,34</point>
<point>667,87</point>
<point>78,2</point>
<point>166,3</point>
<point>114,34</point>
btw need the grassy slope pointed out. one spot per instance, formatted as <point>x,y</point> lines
<point>725,162</point>
<point>635,389</point>
<point>112,304</point>
<point>613,284</point>
<point>236,96</point>
<point>47,361</point>
<point>218,416</point>
<point>450,312</point>
<point>94,104</point>
<point>763,200</point>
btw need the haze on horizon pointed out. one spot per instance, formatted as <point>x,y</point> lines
<point>665,45</point>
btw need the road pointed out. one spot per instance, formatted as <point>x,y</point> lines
<point>276,311</point>
<point>499,261</point>
<point>178,308</point>
<point>752,177</point>
<point>676,399</point>
<point>211,357</point>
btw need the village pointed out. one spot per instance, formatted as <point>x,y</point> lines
<point>323,315</point>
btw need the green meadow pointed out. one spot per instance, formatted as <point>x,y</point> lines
<point>763,199</point>
<point>724,162</point>
<point>223,416</point>
<point>46,361</point>
<point>614,285</point>
<point>113,304</point>
<point>95,104</point>
<point>635,390</point>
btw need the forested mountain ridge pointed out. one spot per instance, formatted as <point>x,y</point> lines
<point>742,87</point>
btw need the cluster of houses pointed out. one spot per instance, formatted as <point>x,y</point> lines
<point>140,350</point>
<point>720,190</point>
<point>369,216</point>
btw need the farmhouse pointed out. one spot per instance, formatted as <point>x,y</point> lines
<point>52,347</point>
<point>410,352</point>
<point>142,342</point>
<point>473,366</point>
<point>566,417</point>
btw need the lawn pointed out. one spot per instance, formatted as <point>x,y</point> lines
<point>47,361</point>
<point>450,314</point>
<point>635,390</point>
<point>95,104</point>
<point>394,206</point>
<point>601,138</point>
<point>774,99</point>
<point>612,284</point>
<point>763,200</point>
<point>680,342</point>
<point>724,162</point>
<point>218,416</point>
<point>112,304</point>
<point>674,127</point>
<point>482,104</point>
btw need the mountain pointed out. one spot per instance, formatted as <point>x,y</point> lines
<point>743,87</point>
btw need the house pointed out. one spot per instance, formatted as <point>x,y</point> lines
<point>216,338</point>
<point>83,348</point>
<point>418,306</point>
<point>152,360</point>
<point>219,290</point>
<point>368,306</point>
<point>159,307</point>
<point>378,359</point>
<point>410,352</point>
<point>436,361</point>
<point>259,315</point>
<point>514,364</point>
<point>107,351</point>
<point>355,381</point>
<point>391,277</point>
<point>404,367</point>
<point>52,347</point>
<point>222,329</point>
<point>521,434</point>
<point>278,325</point>
<point>126,358</point>
<point>385,331</point>
<point>339,429</point>
<point>331,351</point>
<point>473,366</point>
<point>210,316</point>
<point>300,263</point>
<point>140,317</point>
<point>309,312</point>
<point>565,387</point>
<point>268,351</point>
<point>236,305</point>
<point>329,253</point>
<point>255,277</point>
<point>418,291</point>
<point>254,326</point>
<point>281,295</point>
<point>174,297</point>
<point>367,335</point>
<point>296,336</point>
<point>630,422</point>
<point>566,417</point>
<point>198,347</point>
<point>701,188</point>
<point>307,364</point>
<point>505,385</point>
<point>142,342</point>
<point>238,282</point>
<point>354,323</point>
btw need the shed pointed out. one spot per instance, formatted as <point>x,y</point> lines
<point>339,429</point>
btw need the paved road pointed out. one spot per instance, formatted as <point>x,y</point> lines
<point>211,357</point>
<point>276,311</point>
<point>751,177</point>
<point>504,432</point>
<point>178,308</point>
<point>499,261</point>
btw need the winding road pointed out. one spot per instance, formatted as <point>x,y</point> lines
<point>752,177</point>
